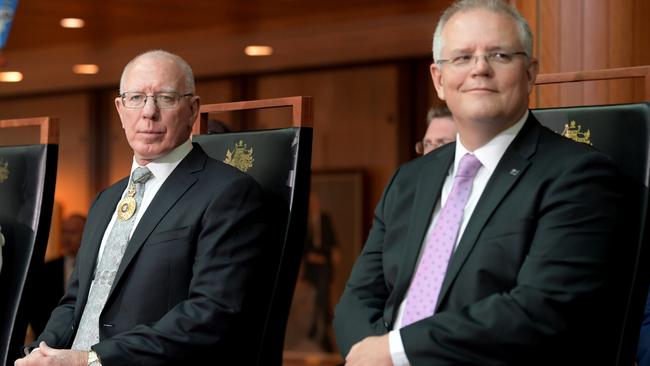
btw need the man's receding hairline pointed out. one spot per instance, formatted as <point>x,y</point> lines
<point>524,32</point>
<point>182,65</point>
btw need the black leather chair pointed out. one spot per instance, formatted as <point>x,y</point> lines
<point>27,179</point>
<point>623,132</point>
<point>280,161</point>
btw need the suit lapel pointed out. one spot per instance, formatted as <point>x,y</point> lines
<point>174,187</point>
<point>429,187</point>
<point>510,169</point>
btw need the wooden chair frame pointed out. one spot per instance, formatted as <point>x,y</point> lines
<point>49,127</point>
<point>636,72</point>
<point>301,107</point>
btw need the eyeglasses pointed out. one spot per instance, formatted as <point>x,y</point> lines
<point>166,100</point>
<point>495,59</point>
<point>420,146</point>
<point>425,145</point>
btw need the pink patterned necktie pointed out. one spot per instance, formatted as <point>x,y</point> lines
<point>427,281</point>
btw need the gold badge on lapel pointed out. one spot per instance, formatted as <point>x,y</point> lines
<point>4,170</point>
<point>241,157</point>
<point>575,133</point>
<point>127,205</point>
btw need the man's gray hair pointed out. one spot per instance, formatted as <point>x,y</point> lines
<point>497,6</point>
<point>184,66</point>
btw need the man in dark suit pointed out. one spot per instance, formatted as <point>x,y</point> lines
<point>501,248</point>
<point>180,291</point>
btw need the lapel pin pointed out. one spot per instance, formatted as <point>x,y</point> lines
<point>514,172</point>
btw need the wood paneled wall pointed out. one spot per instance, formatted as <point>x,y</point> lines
<point>574,35</point>
<point>355,118</point>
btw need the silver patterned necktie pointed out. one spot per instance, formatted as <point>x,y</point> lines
<point>88,332</point>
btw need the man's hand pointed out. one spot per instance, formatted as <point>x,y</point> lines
<point>46,356</point>
<point>371,351</point>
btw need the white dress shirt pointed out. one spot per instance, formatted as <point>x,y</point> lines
<point>489,155</point>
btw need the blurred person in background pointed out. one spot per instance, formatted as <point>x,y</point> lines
<point>441,130</point>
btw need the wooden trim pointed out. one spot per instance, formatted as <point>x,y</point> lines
<point>603,74</point>
<point>590,75</point>
<point>49,127</point>
<point>302,107</point>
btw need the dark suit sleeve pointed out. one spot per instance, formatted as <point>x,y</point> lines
<point>359,313</point>
<point>561,287</point>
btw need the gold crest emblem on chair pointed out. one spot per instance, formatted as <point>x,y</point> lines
<point>575,133</point>
<point>241,157</point>
<point>4,170</point>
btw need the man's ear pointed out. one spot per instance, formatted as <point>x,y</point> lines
<point>531,73</point>
<point>119,106</point>
<point>195,107</point>
<point>436,76</point>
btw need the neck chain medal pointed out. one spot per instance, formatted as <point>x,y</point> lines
<point>127,205</point>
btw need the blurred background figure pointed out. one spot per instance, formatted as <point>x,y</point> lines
<point>217,126</point>
<point>320,254</point>
<point>441,130</point>
<point>299,324</point>
<point>309,328</point>
<point>71,230</point>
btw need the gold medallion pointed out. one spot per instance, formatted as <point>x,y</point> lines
<point>126,208</point>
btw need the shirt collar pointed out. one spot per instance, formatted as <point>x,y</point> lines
<point>490,153</point>
<point>162,167</point>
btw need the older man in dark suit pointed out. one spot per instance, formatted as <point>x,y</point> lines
<point>164,271</point>
<point>501,248</point>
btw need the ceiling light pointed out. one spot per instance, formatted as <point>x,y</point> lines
<point>87,69</point>
<point>72,23</point>
<point>258,50</point>
<point>11,76</point>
